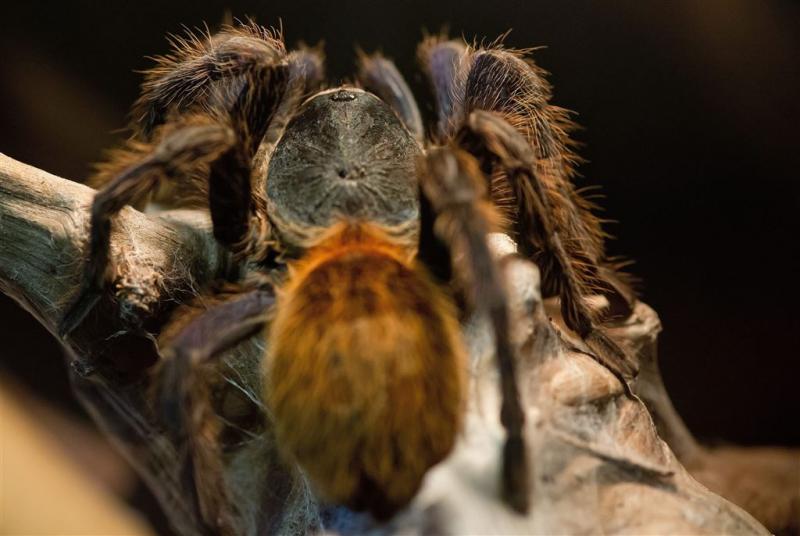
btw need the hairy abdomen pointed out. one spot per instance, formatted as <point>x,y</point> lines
<point>365,376</point>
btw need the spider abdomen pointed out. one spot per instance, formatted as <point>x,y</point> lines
<point>365,377</point>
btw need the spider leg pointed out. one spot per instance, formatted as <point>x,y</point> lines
<point>200,64</point>
<point>381,77</point>
<point>185,147</point>
<point>440,59</point>
<point>208,72</point>
<point>496,103</point>
<point>564,258</point>
<point>306,72</point>
<point>265,104</point>
<point>183,397</point>
<point>457,217</point>
<point>232,139</point>
<point>203,76</point>
<point>230,190</point>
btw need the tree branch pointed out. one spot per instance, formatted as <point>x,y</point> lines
<point>597,462</point>
<point>44,222</point>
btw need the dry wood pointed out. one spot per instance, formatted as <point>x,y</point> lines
<point>598,464</point>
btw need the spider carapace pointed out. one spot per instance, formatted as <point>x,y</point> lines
<point>361,243</point>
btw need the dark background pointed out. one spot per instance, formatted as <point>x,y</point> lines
<point>691,120</point>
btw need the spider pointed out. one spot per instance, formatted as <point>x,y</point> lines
<point>360,245</point>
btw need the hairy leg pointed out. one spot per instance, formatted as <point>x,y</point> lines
<point>381,77</point>
<point>495,101</point>
<point>562,257</point>
<point>454,188</point>
<point>184,148</point>
<point>242,106</point>
<point>509,84</point>
<point>198,67</point>
<point>184,399</point>
<point>306,72</point>
<point>441,62</point>
<point>230,189</point>
<point>205,75</point>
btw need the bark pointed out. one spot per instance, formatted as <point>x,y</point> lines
<point>597,461</point>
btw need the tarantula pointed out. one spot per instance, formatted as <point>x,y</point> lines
<point>360,244</point>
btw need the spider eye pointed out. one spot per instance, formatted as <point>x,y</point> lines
<point>343,95</point>
<point>344,154</point>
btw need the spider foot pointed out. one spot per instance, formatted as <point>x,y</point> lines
<point>516,485</point>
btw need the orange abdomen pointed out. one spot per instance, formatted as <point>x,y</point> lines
<point>365,376</point>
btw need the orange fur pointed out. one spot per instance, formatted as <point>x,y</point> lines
<point>365,376</point>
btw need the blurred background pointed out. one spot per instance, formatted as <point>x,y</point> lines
<point>690,109</point>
